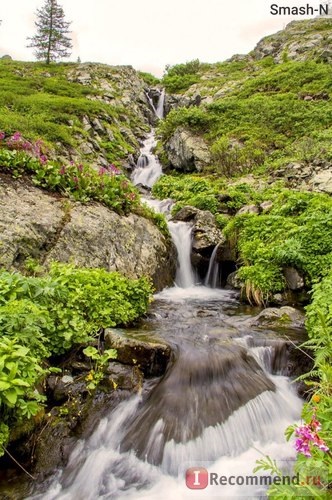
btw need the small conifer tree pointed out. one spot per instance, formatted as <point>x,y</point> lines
<point>51,41</point>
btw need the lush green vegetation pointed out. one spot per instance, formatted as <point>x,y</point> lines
<point>314,435</point>
<point>263,119</point>
<point>41,102</point>
<point>81,182</point>
<point>205,192</point>
<point>180,77</point>
<point>44,316</point>
<point>148,78</point>
<point>296,231</point>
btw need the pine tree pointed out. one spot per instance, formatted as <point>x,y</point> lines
<point>51,41</point>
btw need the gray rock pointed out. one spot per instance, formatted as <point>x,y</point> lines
<point>151,356</point>
<point>299,41</point>
<point>234,281</point>
<point>36,224</point>
<point>266,206</point>
<point>206,233</point>
<point>187,152</point>
<point>322,182</point>
<point>294,279</point>
<point>248,209</point>
<point>30,221</point>
<point>283,316</point>
<point>98,127</point>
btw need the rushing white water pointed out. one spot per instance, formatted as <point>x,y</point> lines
<point>213,271</point>
<point>181,236</point>
<point>98,469</point>
<point>159,110</point>
<point>148,168</point>
<point>160,106</point>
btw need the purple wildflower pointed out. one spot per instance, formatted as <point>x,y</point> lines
<point>16,137</point>
<point>113,169</point>
<point>102,171</point>
<point>80,167</point>
<point>307,434</point>
<point>62,170</point>
<point>2,136</point>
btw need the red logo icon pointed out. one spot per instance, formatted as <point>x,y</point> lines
<point>197,478</point>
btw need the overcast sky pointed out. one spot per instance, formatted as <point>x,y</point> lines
<point>148,34</point>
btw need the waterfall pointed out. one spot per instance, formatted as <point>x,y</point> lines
<point>213,271</point>
<point>181,236</point>
<point>148,169</point>
<point>147,172</point>
<point>150,101</point>
<point>160,105</point>
<point>99,468</point>
<point>159,110</point>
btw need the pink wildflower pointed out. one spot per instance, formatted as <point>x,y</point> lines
<point>307,434</point>
<point>113,169</point>
<point>2,136</point>
<point>102,171</point>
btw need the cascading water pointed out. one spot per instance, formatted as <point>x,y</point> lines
<point>181,236</point>
<point>222,403</point>
<point>160,106</point>
<point>213,271</point>
<point>148,168</point>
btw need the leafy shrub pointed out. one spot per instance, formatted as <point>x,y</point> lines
<point>194,118</point>
<point>176,84</point>
<point>47,315</point>
<point>81,182</point>
<point>148,78</point>
<point>63,308</point>
<point>296,232</point>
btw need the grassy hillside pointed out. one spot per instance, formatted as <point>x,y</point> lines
<point>259,115</point>
<point>80,111</point>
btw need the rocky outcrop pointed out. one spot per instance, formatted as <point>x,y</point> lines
<point>46,227</point>
<point>187,152</point>
<point>206,234</point>
<point>299,41</point>
<point>182,101</point>
<point>113,133</point>
<point>149,355</point>
<point>315,176</point>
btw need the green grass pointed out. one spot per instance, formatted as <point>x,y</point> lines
<point>263,121</point>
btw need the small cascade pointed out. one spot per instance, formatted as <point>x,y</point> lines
<point>160,105</point>
<point>150,101</point>
<point>212,276</point>
<point>181,236</point>
<point>148,169</point>
<point>159,109</point>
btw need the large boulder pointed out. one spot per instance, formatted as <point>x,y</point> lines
<point>151,356</point>
<point>186,151</point>
<point>278,317</point>
<point>34,223</point>
<point>206,233</point>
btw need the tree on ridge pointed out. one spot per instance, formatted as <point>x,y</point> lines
<point>51,41</point>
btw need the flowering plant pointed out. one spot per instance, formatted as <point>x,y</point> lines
<point>105,184</point>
